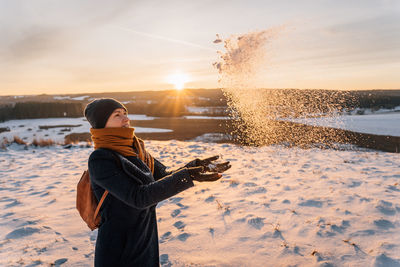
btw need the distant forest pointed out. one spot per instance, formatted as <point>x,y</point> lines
<point>171,103</point>
<point>34,110</point>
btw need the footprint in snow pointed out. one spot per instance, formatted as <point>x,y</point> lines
<point>355,184</point>
<point>257,222</point>
<point>327,230</point>
<point>384,261</point>
<point>182,237</point>
<point>258,190</point>
<point>311,203</point>
<point>12,204</point>
<point>179,225</point>
<point>393,188</point>
<point>175,200</point>
<point>210,199</point>
<point>202,191</point>
<point>368,232</point>
<point>384,224</point>
<point>175,212</point>
<point>182,206</point>
<point>386,207</point>
<point>233,184</point>
<point>7,214</point>
<point>35,263</point>
<point>164,260</point>
<point>22,232</point>
<point>249,184</point>
<point>165,237</point>
<point>60,261</point>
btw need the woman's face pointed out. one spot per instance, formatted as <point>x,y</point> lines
<point>118,119</point>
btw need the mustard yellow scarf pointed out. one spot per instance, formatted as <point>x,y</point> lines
<point>123,141</point>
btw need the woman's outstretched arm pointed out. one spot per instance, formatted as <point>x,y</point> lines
<point>105,172</point>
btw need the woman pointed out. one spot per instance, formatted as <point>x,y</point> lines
<point>136,182</point>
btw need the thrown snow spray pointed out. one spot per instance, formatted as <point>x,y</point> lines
<point>265,116</point>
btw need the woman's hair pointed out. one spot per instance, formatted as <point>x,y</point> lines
<point>99,110</point>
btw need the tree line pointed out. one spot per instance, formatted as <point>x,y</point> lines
<point>35,110</point>
<point>167,104</point>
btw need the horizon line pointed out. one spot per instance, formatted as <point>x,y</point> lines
<point>220,88</point>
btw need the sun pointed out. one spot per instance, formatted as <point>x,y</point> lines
<point>178,79</point>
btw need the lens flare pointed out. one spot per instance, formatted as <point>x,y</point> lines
<point>178,79</point>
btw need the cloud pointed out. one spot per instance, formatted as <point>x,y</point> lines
<point>164,38</point>
<point>48,32</point>
<point>105,11</point>
<point>35,43</point>
<point>372,25</point>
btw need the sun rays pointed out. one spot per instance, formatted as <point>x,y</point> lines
<point>178,79</point>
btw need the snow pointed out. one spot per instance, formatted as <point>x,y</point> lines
<point>140,117</point>
<point>61,97</point>
<point>276,206</point>
<point>199,110</point>
<point>212,137</point>
<point>206,110</point>
<point>365,111</point>
<point>21,128</point>
<point>381,123</point>
<point>79,98</point>
<point>206,117</point>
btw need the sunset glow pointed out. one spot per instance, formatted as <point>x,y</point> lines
<point>115,50</point>
<point>178,79</point>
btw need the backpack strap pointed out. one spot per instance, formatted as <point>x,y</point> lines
<point>100,203</point>
<point>103,197</point>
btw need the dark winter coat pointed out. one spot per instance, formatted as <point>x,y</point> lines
<point>127,235</point>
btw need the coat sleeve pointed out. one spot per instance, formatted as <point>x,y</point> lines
<point>105,172</point>
<point>160,170</point>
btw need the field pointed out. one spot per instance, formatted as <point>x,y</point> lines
<point>279,204</point>
<point>284,206</point>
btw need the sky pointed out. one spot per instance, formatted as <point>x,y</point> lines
<point>71,46</point>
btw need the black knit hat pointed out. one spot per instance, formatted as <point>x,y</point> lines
<point>98,111</point>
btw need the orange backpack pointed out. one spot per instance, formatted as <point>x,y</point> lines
<point>86,202</point>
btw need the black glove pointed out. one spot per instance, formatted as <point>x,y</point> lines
<point>197,175</point>
<point>208,165</point>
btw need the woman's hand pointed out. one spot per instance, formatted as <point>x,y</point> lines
<point>209,166</point>
<point>197,174</point>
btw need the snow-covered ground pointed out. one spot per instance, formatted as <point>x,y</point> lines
<point>276,206</point>
<point>368,111</point>
<point>206,117</point>
<point>29,129</point>
<point>207,110</point>
<point>380,123</point>
<point>73,98</point>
